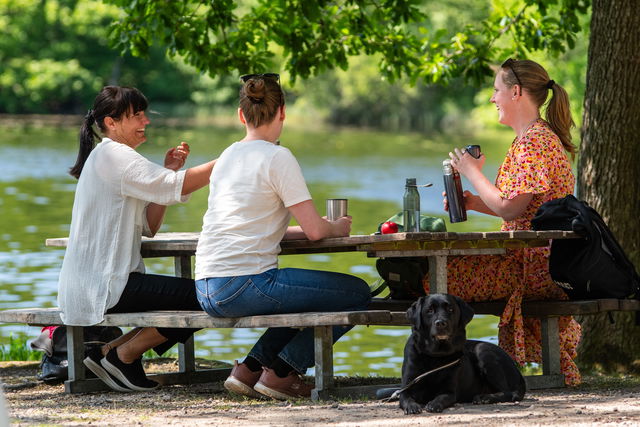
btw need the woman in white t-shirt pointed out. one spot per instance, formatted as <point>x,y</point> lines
<point>255,188</point>
<point>120,197</point>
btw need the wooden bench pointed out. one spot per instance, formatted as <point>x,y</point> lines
<point>321,322</point>
<point>548,313</point>
<point>382,313</point>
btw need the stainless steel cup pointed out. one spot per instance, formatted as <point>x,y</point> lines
<point>336,208</point>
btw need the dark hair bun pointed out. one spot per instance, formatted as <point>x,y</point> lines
<point>255,90</point>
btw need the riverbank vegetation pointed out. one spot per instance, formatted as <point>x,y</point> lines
<point>59,68</point>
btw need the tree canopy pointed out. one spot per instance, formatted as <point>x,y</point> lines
<point>312,36</point>
<point>55,58</point>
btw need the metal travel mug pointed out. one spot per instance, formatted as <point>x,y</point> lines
<point>474,150</point>
<point>336,208</point>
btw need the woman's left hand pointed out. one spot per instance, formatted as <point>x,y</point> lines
<point>466,163</point>
<point>175,157</point>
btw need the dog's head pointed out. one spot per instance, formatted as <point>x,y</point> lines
<point>438,323</point>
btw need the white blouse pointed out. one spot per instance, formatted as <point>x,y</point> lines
<point>107,224</point>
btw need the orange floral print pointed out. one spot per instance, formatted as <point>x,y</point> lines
<point>536,164</point>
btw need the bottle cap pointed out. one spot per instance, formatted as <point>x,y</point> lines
<point>411,181</point>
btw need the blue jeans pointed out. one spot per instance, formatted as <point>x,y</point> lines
<point>288,290</point>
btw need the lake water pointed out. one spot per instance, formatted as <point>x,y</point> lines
<point>368,168</point>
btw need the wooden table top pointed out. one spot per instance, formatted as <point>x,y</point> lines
<point>167,244</point>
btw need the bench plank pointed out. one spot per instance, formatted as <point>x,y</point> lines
<point>200,319</point>
<point>529,308</point>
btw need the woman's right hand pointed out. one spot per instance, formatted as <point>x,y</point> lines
<point>465,163</point>
<point>342,226</point>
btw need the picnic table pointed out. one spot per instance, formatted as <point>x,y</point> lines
<point>436,246</point>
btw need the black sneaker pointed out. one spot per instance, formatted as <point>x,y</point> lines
<point>92,362</point>
<point>131,374</point>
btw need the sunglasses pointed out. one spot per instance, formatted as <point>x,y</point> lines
<point>271,76</point>
<point>509,64</point>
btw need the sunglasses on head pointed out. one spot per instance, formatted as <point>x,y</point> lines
<point>509,64</point>
<point>272,76</point>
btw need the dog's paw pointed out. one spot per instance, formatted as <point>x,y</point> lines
<point>412,408</point>
<point>484,399</point>
<point>479,400</point>
<point>434,407</point>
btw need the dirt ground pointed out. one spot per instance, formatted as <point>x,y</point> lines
<point>599,401</point>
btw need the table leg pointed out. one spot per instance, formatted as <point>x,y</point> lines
<point>186,351</point>
<point>323,346</point>
<point>182,265</point>
<point>438,274</point>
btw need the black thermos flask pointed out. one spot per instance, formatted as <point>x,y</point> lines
<point>453,189</point>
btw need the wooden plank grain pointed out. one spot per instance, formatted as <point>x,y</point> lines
<point>32,316</point>
<point>199,319</point>
<point>186,242</point>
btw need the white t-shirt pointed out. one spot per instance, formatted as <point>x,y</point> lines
<point>107,224</point>
<point>251,187</point>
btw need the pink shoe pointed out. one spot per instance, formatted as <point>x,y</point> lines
<point>242,379</point>
<point>290,387</point>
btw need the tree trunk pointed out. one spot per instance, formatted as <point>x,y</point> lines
<point>609,166</point>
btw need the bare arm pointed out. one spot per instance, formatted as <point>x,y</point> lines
<point>155,216</point>
<point>313,226</point>
<point>197,177</point>
<point>194,179</point>
<point>489,199</point>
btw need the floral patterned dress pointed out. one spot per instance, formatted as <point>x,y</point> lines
<point>537,164</point>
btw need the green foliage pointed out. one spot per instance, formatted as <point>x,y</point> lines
<point>369,101</point>
<point>314,36</point>
<point>223,36</point>
<point>17,349</point>
<point>55,57</point>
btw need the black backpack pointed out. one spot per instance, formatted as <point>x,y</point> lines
<point>54,364</point>
<point>403,276</point>
<point>592,267</point>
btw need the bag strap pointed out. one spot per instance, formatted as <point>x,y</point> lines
<point>379,286</point>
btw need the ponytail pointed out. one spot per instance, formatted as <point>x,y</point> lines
<point>558,115</point>
<point>88,138</point>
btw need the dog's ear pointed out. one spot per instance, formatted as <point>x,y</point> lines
<point>466,312</point>
<point>414,313</point>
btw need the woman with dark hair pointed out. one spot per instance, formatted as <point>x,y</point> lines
<point>536,169</point>
<point>256,187</point>
<point>120,197</point>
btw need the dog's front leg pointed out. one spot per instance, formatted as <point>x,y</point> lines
<point>409,405</point>
<point>441,402</point>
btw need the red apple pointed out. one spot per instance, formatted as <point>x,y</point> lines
<point>389,227</point>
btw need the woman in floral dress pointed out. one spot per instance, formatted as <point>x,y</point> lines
<point>536,169</point>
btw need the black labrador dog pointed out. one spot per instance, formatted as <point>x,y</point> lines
<point>475,371</point>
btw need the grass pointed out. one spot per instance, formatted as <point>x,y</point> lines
<point>18,349</point>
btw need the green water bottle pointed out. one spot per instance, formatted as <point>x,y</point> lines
<point>411,206</point>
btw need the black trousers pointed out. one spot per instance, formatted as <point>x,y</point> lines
<point>148,292</point>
